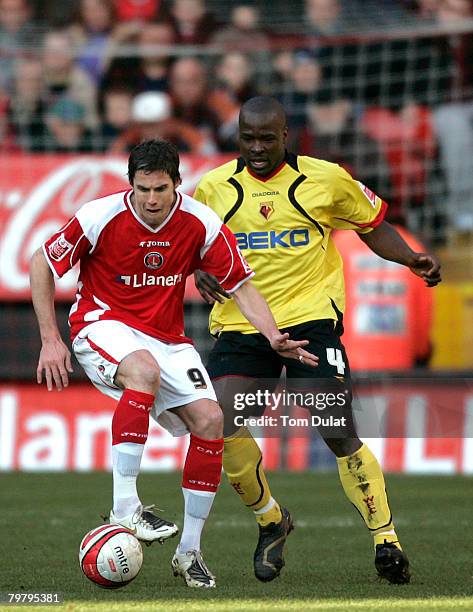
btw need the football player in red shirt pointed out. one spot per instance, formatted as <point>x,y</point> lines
<point>136,249</point>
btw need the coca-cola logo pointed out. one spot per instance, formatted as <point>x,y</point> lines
<point>38,194</point>
<point>54,191</point>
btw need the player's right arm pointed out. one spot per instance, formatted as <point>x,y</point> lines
<point>54,358</point>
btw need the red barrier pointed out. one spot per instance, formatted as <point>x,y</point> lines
<point>41,431</point>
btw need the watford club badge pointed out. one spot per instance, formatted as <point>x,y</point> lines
<point>266,209</point>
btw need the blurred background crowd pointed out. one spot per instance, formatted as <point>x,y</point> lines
<point>383,87</point>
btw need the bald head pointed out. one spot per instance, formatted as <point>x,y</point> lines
<point>266,107</point>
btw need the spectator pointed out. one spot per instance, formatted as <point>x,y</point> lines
<point>335,17</point>
<point>148,69</point>
<point>305,82</point>
<point>152,117</point>
<point>426,10</point>
<point>27,108</point>
<point>244,32</point>
<point>64,78</point>
<point>137,10</point>
<point>334,134</point>
<point>153,43</point>
<point>212,112</point>
<point>57,14</point>
<point>193,24</point>
<point>282,66</point>
<point>68,133</point>
<point>116,116</point>
<point>453,118</point>
<point>18,35</point>
<point>91,35</point>
<point>338,60</point>
<point>325,17</point>
<point>235,75</point>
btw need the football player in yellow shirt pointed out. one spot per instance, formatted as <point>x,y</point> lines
<point>282,209</point>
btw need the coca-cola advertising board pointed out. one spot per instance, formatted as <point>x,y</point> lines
<point>70,431</point>
<point>38,194</point>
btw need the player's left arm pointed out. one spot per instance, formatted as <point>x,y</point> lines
<point>255,308</point>
<point>385,241</point>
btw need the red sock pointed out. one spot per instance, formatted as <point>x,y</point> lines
<point>203,466</point>
<point>131,417</point>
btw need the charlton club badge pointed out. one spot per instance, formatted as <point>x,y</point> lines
<point>154,260</point>
<point>266,209</point>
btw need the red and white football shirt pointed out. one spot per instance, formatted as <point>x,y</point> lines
<point>133,273</point>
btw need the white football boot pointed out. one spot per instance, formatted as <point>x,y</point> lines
<point>146,526</point>
<point>193,570</point>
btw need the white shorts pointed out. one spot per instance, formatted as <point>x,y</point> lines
<point>101,346</point>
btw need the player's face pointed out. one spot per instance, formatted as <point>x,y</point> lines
<point>262,140</point>
<point>154,194</point>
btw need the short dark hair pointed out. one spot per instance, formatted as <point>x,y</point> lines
<point>152,155</point>
<point>262,105</point>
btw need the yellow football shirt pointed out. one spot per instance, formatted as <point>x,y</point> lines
<point>283,225</point>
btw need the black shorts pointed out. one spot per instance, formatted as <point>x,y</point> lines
<point>245,364</point>
<point>237,354</point>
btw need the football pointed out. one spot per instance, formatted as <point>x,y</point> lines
<point>110,556</point>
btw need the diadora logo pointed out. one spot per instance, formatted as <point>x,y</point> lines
<point>273,239</point>
<point>153,260</point>
<point>264,194</point>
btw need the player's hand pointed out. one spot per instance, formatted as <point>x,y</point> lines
<point>55,360</point>
<point>209,288</point>
<point>427,267</point>
<point>292,349</point>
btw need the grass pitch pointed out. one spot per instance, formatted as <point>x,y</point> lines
<point>329,556</point>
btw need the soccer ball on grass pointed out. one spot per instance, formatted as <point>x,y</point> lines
<point>110,556</point>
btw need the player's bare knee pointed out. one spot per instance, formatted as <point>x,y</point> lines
<point>139,371</point>
<point>210,424</point>
<point>150,376</point>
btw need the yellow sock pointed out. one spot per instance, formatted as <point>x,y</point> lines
<point>363,483</point>
<point>242,464</point>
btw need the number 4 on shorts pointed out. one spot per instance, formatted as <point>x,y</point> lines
<point>335,358</point>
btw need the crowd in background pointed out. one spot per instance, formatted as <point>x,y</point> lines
<point>383,87</point>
